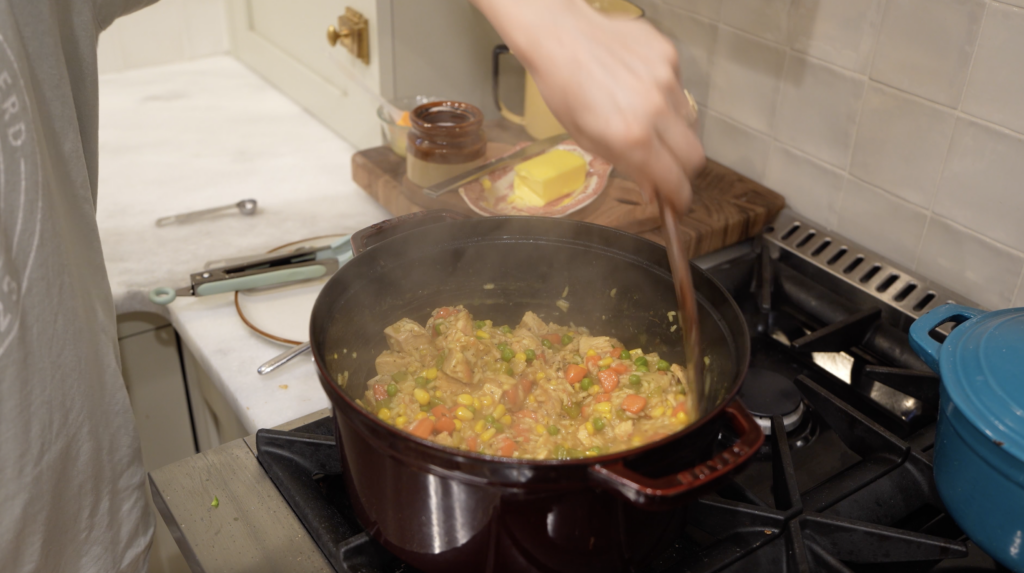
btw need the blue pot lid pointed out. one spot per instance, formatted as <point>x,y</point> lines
<point>982,368</point>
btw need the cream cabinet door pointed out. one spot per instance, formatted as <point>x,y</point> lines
<point>286,43</point>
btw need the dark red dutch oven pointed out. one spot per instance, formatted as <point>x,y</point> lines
<point>450,511</point>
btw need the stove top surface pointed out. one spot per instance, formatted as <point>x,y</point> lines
<point>843,482</point>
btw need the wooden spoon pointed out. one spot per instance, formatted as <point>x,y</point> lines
<point>687,299</point>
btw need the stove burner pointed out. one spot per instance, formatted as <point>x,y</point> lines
<point>766,394</point>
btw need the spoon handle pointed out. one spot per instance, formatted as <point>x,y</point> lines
<point>182,217</point>
<point>687,299</point>
<point>279,360</point>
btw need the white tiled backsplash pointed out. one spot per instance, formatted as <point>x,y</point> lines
<point>898,123</point>
<point>168,31</point>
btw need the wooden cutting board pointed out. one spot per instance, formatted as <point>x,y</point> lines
<point>727,207</point>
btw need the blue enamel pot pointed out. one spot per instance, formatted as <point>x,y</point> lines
<point>979,442</point>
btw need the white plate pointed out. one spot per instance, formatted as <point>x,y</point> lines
<point>281,313</point>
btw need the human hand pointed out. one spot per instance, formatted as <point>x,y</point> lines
<point>614,86</point>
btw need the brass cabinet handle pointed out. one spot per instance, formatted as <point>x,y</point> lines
<point>352,32</point>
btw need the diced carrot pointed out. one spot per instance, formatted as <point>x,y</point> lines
<point>439,410</point>
<point>472,444</point>
<point>619,368</point>
<point>634,404</point>
<point>380,392</point>
<point>592,359</point>
<point>609,380</point>
<point>526,384</point>
<point>527,414</point>
<point>512,396</point>
<point>585,410</point>
<point>555,339</point>
<point>603,397</point>
<point>444,424</point>
<point>444,312</point>
<point>522,428</point>
<point>680,407</point>
<point>574,373</point>
<point>422,428</point>
<point>616,352</point>
<point>507,448</point>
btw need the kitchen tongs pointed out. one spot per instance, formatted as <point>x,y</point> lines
<point>302,264</point>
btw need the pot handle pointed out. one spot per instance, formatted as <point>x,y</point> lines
<point>927,347</point>
<point>645,491</point>
<point>379,232</point>
<point>499,51</point>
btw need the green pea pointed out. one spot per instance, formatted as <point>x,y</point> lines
<point>624,355</point>
<point>572,410</point>
<point>546,344</point>
<point>439,363</point>
<point>640,361</point>
<point>385,403</point>
<point>634,379</point>
<point>561,453</point>
<point>586,383</point>
<point>499,427</point>
<point>598,423</point>
<point>478,324</point>
<point>643,368</point>
<point>573,453</point>
<point>489,419</point>
<point>505,329</point>
<point>425,408</point>
<point>566,339</point>
<point>392,389</point>
<point>421,381</point>
<point>594,450</point>
<point>434,402</point>
<point>437,327</point>
<point>508,370</point>
<point>553,430</point>
<point>471,409</point>
<point>530,355</point>
<point>507,354</point>
<point>663,365</point>
<point>400,376</point>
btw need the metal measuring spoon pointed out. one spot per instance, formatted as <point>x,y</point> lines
<point>245,207</point>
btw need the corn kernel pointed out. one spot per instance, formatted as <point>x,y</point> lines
<point>486,401</point>
<point>499,410</point>
<point>539,429</point>
<point>603,408</point>
<point>458,425</point>
<point>680,398</point>
<point>422,396</point>
<point>591,352</point>
<point>384,414</point>
<point>506,419</point>
<point>430,374</point>
<point>464,399</point>
<point>593,390</point>
<point>520,357</point>
<point>681,417</point>
<point>400,421</point>
<point>477,404</point>
<point>482,335</point>
<point>636,440</point>
<point>531,399</point>
<point>657,412</point>
<point>605,361</point>
<point>590,428</point>
<point>463,414</point>
<point>480,427</point>
<point>421,415</point>
<point>486,436</point>
<point>540,376</point>
<point>432,418</point>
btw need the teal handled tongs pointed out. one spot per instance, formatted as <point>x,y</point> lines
<point>299,265</point>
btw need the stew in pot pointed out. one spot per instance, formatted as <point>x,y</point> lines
<point>536,391</point>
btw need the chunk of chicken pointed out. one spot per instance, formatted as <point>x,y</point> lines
<point>623,430</point>
<point>532,323</point>
<point>457,366</point>
<point>406,336</point>
<point>596,343</point>
<point>390,362</point>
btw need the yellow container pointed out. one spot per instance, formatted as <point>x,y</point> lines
<point>538,120</point>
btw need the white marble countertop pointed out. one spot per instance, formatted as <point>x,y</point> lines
<point>201,134</point>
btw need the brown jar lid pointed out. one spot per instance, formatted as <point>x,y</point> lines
<point>447,132</point>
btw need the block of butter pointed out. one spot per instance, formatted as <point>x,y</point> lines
<point>547,177</point>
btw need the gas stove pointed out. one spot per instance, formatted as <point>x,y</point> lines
<point>844,479</point>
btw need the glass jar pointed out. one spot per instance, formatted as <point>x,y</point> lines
<point>446,138</point>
